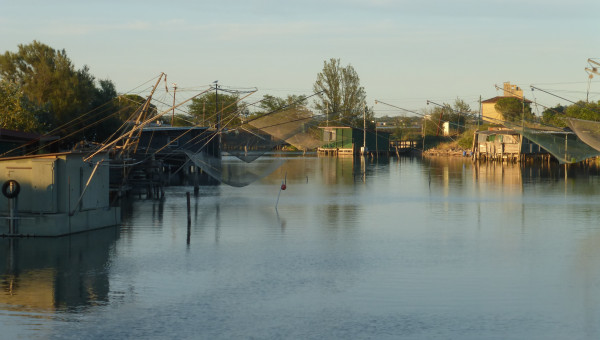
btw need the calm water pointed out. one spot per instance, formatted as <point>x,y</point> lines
<point>414,249</point>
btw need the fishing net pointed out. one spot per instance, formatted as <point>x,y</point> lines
<point>587,130</point>
<point>565,146</point>
<point>232,171</point>
<point>248,143</point>
<point>295,127</point>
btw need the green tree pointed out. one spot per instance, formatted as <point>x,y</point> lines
<point>203,109</point>
<point>438,115</point>
<point>47,78</point>
<point>130,106</point>
<point>584,110</point>
<point>514,109</point>
<point>554,116</point>
<point>17,112</point>
<point>271,103</point>
<point>341,97</point>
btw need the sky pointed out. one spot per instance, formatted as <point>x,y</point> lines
<point>405,52</point>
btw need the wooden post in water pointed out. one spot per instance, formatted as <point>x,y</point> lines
<point>189,218</point>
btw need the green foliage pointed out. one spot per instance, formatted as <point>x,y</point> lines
<point>580,110</point>
<point>514,109</point>
<point>271,103</point>
<point>17,112</point>
<point>56,93</point>
<point>466,140</point>
<point>435,117</point>
<point>553,116</point>
<point>203,110</point>
<point>343,98</point>
<point>130,107</point>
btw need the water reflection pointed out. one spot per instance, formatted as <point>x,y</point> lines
<point>458,173</point>
<point>433,248</point>
<point>49,274</point>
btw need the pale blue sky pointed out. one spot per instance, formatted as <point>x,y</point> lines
<point>406,52</point>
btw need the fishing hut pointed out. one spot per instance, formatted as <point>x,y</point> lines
<point>55,194</point>
<point>348,141</point>
<point>503,144</point>
<point>161,157</point>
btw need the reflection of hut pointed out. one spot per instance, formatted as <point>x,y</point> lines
<point>349,141</point>
<point>55,273</point>
<point>504,144</point>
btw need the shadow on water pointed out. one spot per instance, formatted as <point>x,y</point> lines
<point>52,274</point>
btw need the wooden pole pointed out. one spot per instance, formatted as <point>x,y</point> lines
<point>189,218</point>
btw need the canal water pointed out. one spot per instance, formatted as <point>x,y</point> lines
<point>405,248</point>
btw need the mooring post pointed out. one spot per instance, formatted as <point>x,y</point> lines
<point>196,181</point>
<point>12,222</point>
<point>189,216</point>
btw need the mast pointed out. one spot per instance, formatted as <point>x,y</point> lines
<point>133,142</point>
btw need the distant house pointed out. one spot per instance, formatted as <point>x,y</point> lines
<point>346,140</point>
<point>488,106</point>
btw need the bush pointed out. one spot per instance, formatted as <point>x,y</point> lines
<point>466,140</point>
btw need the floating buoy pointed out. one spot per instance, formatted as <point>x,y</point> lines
<point>283,186</point>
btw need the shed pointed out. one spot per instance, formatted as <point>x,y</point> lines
<point>503,143</point>
<point>59,194</point>
<point>349,141</point>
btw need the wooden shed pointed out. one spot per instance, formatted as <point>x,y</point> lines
<point>349,141</point>
<point>501,144</point>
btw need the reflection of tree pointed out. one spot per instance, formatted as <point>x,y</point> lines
<point>56,273</point>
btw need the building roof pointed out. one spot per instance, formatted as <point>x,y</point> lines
<point>495,99</point>
<point>14,135</point>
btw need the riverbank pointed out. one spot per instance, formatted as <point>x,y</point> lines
<point>450,149</point>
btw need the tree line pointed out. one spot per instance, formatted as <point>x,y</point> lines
<point>41,91</point>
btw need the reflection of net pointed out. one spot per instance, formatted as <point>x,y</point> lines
<point>587,130</point>
<point>565,146</point>
<point>233,172</point>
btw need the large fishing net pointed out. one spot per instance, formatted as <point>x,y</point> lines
<point>295,128</point>
<point>566,146</point>
<point>587,130</point>
<point>232,171</point>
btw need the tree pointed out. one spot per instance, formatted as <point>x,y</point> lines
<point>17,112</point>
<point>514,109</point>
<point>48,79</point>
<point>203,109</point>
<point>456,116</point>
<point>130,106</point>
<point>340,95</point>
<point>554,116</point>
<point>580,110</point>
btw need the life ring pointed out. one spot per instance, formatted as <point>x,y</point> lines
<point>15,192</point>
